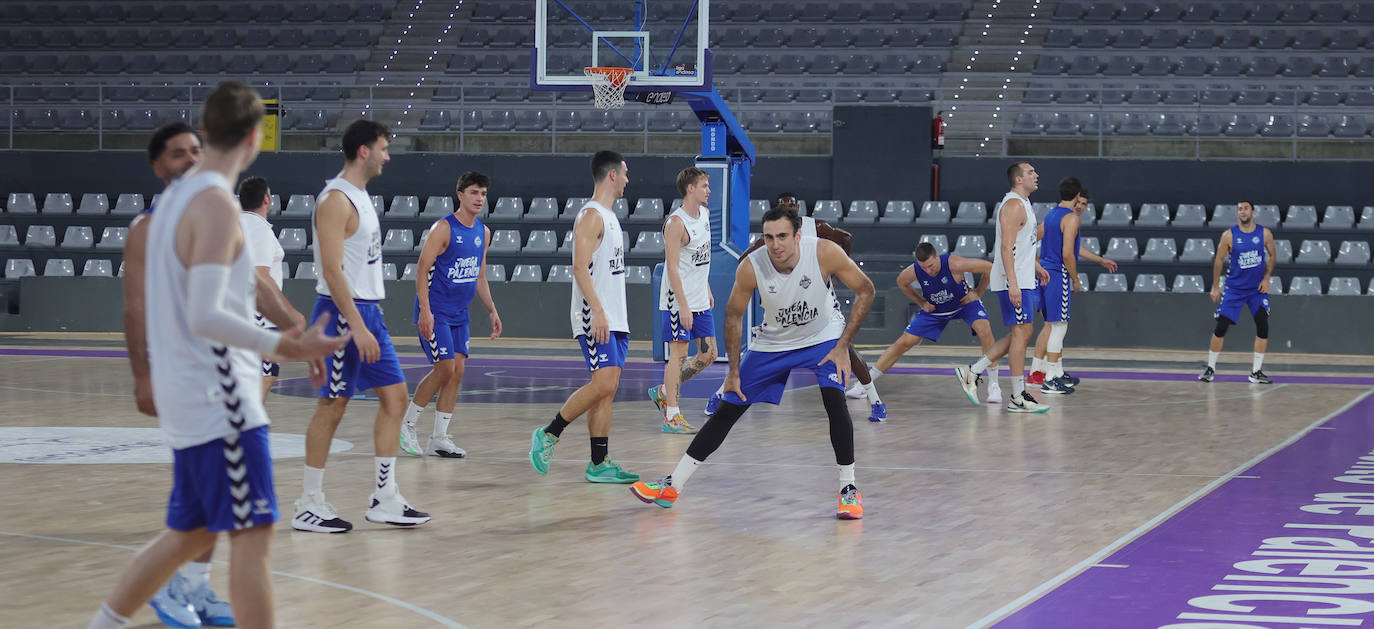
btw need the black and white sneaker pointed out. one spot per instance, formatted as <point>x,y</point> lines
<point>1207,374</point>
<point>314,515</point>
<point>1056,386</point>
<point>391,508</point>
<point>1258,377</point>
<point>1023,403</point>
<point>1069,379</point>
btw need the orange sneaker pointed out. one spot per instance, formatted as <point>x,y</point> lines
<point>660,492</point>
<point>851,504</point>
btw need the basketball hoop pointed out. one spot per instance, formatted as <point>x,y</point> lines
<point>608,85</point>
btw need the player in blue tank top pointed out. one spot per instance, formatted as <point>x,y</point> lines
<point>943,298</point>
<point>449,274</point>
<point>1249,247</point>
<point>1060,250</point>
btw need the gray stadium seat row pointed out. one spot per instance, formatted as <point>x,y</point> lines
<point>1347,126</point>
<point>207,63</point>
<point>1161,65</point>
<point>1205,38</point>
<point>1207,12</point>
<point>194,13</point>
<point>100,38</point>
<point>1220,94</point>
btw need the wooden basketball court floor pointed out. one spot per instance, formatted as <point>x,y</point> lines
<point>969,512</point>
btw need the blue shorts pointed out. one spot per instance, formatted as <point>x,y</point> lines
<point>763,375</point>
<point>612,353</point>
<point>929,325</point>
<point>1056,297</point>
<point>448,341</point>
<point>1233,301</point>
<point>348,374</point>
<point>1011,315</point>
<point>703,326</point>
<point>203,487</point>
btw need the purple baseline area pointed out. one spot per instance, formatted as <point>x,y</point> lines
<point>1148,583</point>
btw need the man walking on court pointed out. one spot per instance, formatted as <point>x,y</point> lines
<point>348,253</point>
<point>455,252</point>
<point>600,324</point>
<point>1015,269</point>
<point>1059,253</point>
<point>685,296</point>
<point>266,253</point>
<point>793,277</point>
<point>1249,247</point>
<point>199,282</point>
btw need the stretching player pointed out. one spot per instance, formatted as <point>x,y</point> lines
<point>599,322</point>
<point>457,248</point>
<point>945,299</point>
<point>197,278</point>
<point>266,253</point>
<point>687,274</point>
<point>348,252</point>
<point>1059,253</point>
<point>1015,269</point>
<point>1252,259</point>
<point>793,279</point>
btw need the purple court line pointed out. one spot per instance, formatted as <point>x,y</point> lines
<point>484,363</point>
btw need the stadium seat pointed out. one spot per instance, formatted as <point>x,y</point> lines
<point>299,206</point>
<point>408,274</point>
<point>398,241</point>
<point>9,237</point>
<point>389,271</point>
<point>1123,249</point>
<point>1305,285</point>
<point>1110,283</point>
<point>1115,215</point>
<point>902,213</point>
<point>933,213</point>
<point>378,204</point>
<point>1160,250</point>
<point>305,271</point>
<point>561,274</point>
<point>939,241</point>
<point>1275,285</point>
<point>293,239</point>
<point>59,267</point>
<point>1314,252</point>
<point>638,275</point>
<point>78,237</point>
<point>648,243</point>
<point>94,205</point>
<point>526,273</point>
<point>971,246</point>
<point>1338,217</point>
<point>1301,217</point>
<point>1090,243</point>
<point>827,210</point>
<point>438,207</point>
<point>648,210</point>
<point>40,236</point>
<point>1150,283</point>
<point>1188,284</point>
<point>1198,250</point>
<point>496,272</point>
<point>1153,215</point>
<point>112,238</point>
<point>1283,251</point>
<point>19,267</point>
<point>542,209</point>
<point>402,206</point>
<point>971,213</point>
<point>541,241</point>
<point>21,203</point>
<point>1353,253</point>
<point>507,209</point>
<point>566,247</point>
<point>504,241</point>
<point>1338,286</point>
<point>862,213</point>
<point>1366,219</point>
<point>57,203</point>
<point>95,267</point>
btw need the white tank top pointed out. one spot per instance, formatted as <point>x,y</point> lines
<point>808,228</point>
<point>362,252</point>
<point>199,386</point>
<point>608,277</point>
<point>1022,248</point>
<point>266,249</point>
<point>798,307</point>
<point>694,265</point>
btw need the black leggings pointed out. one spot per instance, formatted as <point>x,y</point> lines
<point>1261,325</point>
<point>718,426</point>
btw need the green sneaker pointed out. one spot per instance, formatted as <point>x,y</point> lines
<point>656,396</point>
<point>541,449</point>
<point>609,471</point>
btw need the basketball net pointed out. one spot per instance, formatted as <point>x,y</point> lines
<point>608,86</point>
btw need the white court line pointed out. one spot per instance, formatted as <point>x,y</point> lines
<point>1059,579</point>
<point>66,391</point>
<point>1272,389</point>
<point>442,620</point>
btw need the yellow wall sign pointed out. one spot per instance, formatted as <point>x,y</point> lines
<point>271,125</point>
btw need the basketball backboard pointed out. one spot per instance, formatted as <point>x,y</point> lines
<point>662,41</point>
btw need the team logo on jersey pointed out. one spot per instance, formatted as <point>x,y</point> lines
<point>805,282</point>
<point>1255,240</point>
<point>262,506</point>
<point>458,240</point>
<point>798,314</point>
<point>944,280</point>
<point>477,241</point>
<point>834,377</point>
<point>772,289</point>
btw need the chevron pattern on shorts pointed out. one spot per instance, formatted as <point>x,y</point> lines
<point>336,362</point>
<point>235,465</point>
<point>1066,290</point>
<point>674,319</point>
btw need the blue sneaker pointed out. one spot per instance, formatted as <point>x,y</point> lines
<point>879,412</point>
<point>1056,386</point>
<point>1069,379</point>
<point>541,449</point>
<point>713,403</point>
<point>173,606</point>
<point>212,611</point>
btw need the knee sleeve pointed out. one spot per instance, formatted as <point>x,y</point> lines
<point>841,426</point>
<point>1222,324</point>
<point>713,433</point>
<point>1262,324</point>
<point>1056,342</point>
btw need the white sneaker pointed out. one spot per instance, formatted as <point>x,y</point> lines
<point>968,382</point>
<point>443,446</point>
<point>314,515</point>
<point>994,394</point>
<point>856,391</point>
<point>410,442</point>
<point>212,611</point>
<point>172,606</point>
<point>1024,403</point>
<point>391,508</point>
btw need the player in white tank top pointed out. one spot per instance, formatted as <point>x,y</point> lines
<point>266,254</point>
<point>599,324</point>
<point>684,296</point>
<point>792,277</point>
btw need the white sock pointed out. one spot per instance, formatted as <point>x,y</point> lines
<point>1037,364</point>
<point>872,391</point>
<point>1053,370</point>
<point>1259,360</point>
<point>314,481</point>
<point>386,473</point>
<point>1212,359</point>
<point>980,365</point>
<point>441,421</point>
<point>721,390</point>
<point>846,475</point>
<point>671,412</point>
<point>198,574</point>
<point>683,471</point>
<point>1018,384</point>
<point>412,414</point>
<point>873,373</point>
<point>106,618</point>
<point>991,376</point>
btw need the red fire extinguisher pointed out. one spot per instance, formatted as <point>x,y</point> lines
<point>937,131</point>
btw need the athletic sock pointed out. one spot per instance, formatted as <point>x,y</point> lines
<point>412,414</point>
<point>873,373</point>
<point>106,618</point>
<point>991,376</point>
<point>198,574</point>
<point>721,391</point>
<point>846,475</point>
<point>1259,360</point>
<point>386,473</point>
<point>1212,359</point>
<point>685,466</point>
<point>671,412</point>
<point>314,480</point>
<point>441,421</point>
<point>601,447</point>
<point>1038,364</point>
<point>1018,384</point>
<point>979,365</point>
<point>556,426</point>
<point>872,392</point>
<point>1052,370</point>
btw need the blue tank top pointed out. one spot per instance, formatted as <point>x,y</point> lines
<point>1052,247</point>
<point>1247,259</point>
<point>453,278</point>
<point>942,290</point>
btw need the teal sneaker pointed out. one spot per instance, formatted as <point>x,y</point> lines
<point>541,449</point>
<point>656,396</point>
<point>609,471</point>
